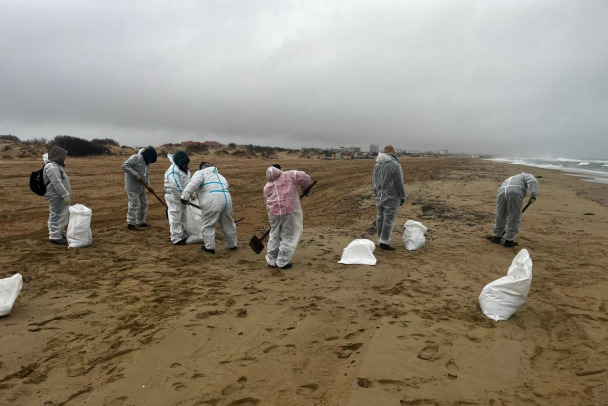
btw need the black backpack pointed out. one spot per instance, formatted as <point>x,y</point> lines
<point>37,182</point>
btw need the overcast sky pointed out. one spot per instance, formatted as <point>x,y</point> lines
<point>512,78</point>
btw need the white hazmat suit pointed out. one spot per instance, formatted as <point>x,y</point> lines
<point>136,172</point>
<point>285,214</point>
<point>389,193</point>
<point>216,205</point>
<point>509,198</point>
<point>175,182</point>
<point>58,190</point>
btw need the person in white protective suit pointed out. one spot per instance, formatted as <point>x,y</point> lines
<point>285,214</point>
<point>389,194</point>
<point>216,205</point>
<point>176,179</point>
<point>136,175</point>
<point>58,190</point>
<point>509,198</point>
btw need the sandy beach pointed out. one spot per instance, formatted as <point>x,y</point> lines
<point>133,320</point>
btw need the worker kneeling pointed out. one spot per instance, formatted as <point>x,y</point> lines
<point>216,205</point>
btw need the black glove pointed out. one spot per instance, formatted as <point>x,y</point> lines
<point>184,202</point>
<point>402,201</point>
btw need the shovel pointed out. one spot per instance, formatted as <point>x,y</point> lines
<point>256,243</point>
<point>155,195</point>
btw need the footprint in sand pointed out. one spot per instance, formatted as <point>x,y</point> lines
<point>245,402</point>
<point>429,353</point>
<point>230,389</point>
<point>234,387</point>
<point>179,386</point>
<point>118,401</point>
<point>452,369</point>
<point>75,366</point>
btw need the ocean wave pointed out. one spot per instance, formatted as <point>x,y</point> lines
<point>583,163</point>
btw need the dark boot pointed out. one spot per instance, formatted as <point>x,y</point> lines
<point>58,242</point>
<point>208,250</point>
<point>387,247</point>
<point>288,266</point>
<point>510,243</point>
<point>495,240</point>
<point>132,227</point>
<point>144,225</point>
<point>181,242</point>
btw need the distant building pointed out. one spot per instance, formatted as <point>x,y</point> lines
<point>373,149</point>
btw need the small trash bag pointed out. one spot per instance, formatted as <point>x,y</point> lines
<point>79,227</point>
<point>194,225</point>
<point>9,290</point>
<point>500,299</point>
<point>413,236</point>
<point>359,251</point>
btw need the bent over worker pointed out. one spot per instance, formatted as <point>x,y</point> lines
<point>216,205</point>
<point>509,198</point>
<point>176,179</point>
<point>57,193</point>
<point>284,213</point>
<point>136,175</point>
<point>389,194</point>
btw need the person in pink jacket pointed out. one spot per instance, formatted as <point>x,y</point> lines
<point>285,214</point>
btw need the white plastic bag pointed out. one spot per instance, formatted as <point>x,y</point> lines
<point>500,299</point>
<point>359,251</point>
<point>79,227</point>
<point>9,290</point>
<point>194,226</point>
<point>413,236</point>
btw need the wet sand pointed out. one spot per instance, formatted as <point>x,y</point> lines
<point>133,320</point>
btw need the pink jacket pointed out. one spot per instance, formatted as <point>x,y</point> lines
<point>281,191</point>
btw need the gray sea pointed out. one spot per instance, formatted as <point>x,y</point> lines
<point>589,170</point>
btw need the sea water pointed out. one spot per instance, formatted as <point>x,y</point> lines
<point>589,170</point>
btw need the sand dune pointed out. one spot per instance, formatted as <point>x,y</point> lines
<point>133,320</point>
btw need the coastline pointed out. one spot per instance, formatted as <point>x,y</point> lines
<point>586,175</point>
<point>133,320</point>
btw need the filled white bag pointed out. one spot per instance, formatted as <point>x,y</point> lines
<point>9,290</point>
<point>413,236</point>
<point>194,226</point>
<point>500,299</point>
<point>79,227</point>
<point>359,251</point>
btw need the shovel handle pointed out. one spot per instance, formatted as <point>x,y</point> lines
<point>305,191</point>
<point>155,195</point>
<point>522,211</point>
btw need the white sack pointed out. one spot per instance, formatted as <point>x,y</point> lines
<point>413,236</point>
<point>500,299</point>
<point>359,251</point>
<point>194,226</point>
<point>9,290</point>
<point>79,227</point>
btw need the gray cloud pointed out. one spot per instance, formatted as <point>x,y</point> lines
<point>503,77</point>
